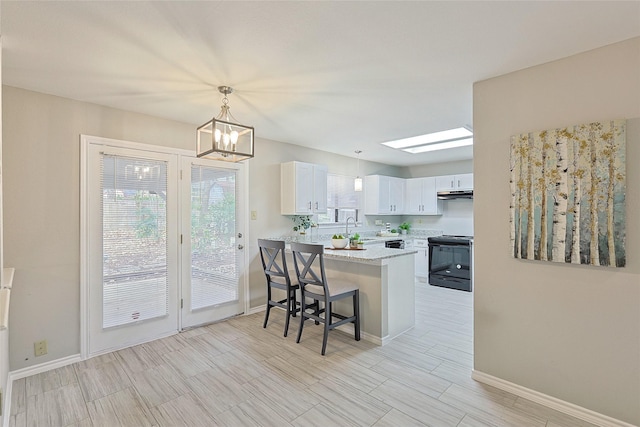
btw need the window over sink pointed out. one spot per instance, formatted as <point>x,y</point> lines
<point>342,200</point>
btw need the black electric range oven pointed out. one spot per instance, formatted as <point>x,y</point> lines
<point>450,262</point>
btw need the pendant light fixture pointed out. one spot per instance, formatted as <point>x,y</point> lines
<point>222,138</point>
<point>357,183</point>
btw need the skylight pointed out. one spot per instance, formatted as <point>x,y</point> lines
<point>451,138</point>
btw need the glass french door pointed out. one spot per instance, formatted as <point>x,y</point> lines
<point>133,262</point>
<point>212,248</point>
<point>162,243</point>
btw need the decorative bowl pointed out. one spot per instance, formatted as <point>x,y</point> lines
<point>339,243</point>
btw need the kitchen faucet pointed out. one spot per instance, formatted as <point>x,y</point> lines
<point>347,225</point>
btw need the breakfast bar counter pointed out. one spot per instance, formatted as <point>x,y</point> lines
<point>387,289</point>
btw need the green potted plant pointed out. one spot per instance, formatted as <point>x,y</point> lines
<point>353,241</point>
<point>404,227</point>
<point>301,223</point>
<point>360,244</point>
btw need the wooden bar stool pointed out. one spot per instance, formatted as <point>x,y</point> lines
<point>274,264</point>
<point>308,260</point>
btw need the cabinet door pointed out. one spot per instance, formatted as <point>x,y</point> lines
<point>320,189</point>
<point>384,197</point>
<point>371,190</point>
<point>422,257</point>
<point>464,181</point>
<point>422,263</point>
<point>445,183</point>
<point>396,195</point>
<point>430,203</point>
<point>304,187</point>
<point>413,204</point>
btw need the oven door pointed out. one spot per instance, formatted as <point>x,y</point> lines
<point>452,261</point>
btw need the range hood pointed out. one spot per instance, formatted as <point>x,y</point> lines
<point>450,195</point>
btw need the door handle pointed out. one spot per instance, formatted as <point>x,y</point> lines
<point>239,235</point>
<point>240,247</point>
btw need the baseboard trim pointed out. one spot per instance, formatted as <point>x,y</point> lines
<point>26,372</point>
<point>549,401</point>
<point>257,309</point>
<point>44,367</point>
<point>6,405</point>
<point>349,329</point>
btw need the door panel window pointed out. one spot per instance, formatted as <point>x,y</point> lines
<point>214,277</point>
<point>134,240</point>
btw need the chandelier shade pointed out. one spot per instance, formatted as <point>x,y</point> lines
<point>222,138</point>
<point>357,184</point>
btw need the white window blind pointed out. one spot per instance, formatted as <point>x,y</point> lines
<point>134,239</point>
<point>342,199</point>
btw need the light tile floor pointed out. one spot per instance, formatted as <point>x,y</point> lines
<point>235,373</point>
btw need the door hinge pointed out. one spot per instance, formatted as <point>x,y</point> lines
<point>181,239</point>
<point>180,173</point>
<point>181,303</point>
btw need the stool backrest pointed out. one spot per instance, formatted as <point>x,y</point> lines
<point>274,262</point>
<point>308,260</point>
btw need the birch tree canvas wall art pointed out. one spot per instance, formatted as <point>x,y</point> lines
<point>568,194</point>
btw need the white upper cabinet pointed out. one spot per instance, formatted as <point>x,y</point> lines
<point>303,188</point>
<point>421,197</point>
<point>454,182</point>
<point>384,195</point>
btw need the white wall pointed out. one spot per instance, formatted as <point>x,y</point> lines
<point>438,169</point>
<point>456,218</point>
<point>572,332</point>
<point>4,335</point>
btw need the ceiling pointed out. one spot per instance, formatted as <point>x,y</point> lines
<point>335,76</point>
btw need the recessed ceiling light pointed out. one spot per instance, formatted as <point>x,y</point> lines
<point>439,146</point>
<point>430,138</point>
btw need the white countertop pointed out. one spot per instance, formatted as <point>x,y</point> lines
<point>368,254</point>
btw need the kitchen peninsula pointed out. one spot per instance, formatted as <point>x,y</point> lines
<point>387,289</point>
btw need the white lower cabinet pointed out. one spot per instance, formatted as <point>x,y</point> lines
<point>422,258</point>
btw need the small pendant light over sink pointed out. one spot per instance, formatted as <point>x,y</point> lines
<point>222,138</point>
<point>357,183</point>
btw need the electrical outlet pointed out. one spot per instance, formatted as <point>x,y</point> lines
<point>254,215</point>
<point>378,222</point>
<point>40,348</point>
